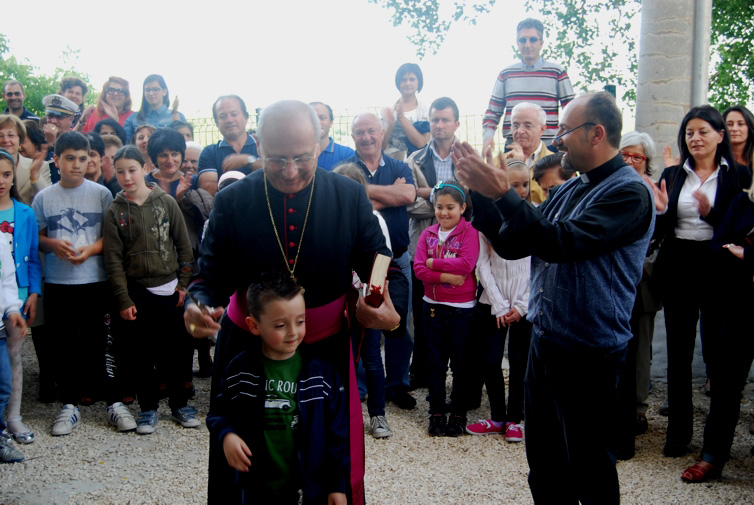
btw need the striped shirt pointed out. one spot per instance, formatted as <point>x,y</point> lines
<point>546,84</point>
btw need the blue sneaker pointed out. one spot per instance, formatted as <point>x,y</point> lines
<point>146,422</point>
<point>186,417</point>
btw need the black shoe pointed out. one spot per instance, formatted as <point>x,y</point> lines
<point>437,425</point>
<point>673,450</point>
<point>625,453</point>
<point>664,409</point>
<point>641,425</point>
<point>456,426</point>
<point>403,400</point>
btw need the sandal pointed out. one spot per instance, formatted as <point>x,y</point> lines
<point>699,473</point>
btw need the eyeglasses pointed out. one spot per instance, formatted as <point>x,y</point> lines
<point>152,90</point>
<point>282,163</point>
<point>558,139</point>
<point>636,158</point>
<point>13,93</point>
<point>532,40</point>
<point>116,91</point>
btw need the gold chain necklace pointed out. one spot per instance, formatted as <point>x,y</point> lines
<point>275,229</point>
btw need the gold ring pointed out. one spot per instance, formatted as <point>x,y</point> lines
<point>192,327</point>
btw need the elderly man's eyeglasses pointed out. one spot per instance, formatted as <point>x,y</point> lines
<point>636,158</point>
<point>532,40</point>
<point>558,139</point>
<point>282,163</point>
<point>116,91</point>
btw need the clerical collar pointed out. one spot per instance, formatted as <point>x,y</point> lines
<point>603,171</point>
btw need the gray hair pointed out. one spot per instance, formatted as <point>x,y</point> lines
<point>642,139</point>
<point>375,116</point>
<point>531,106</point>
<point>191,144</point>
<point>288,108</point>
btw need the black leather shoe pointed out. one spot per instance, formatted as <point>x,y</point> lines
<point>456,426</point>
<point>437,425</point>
<point>403,400</point>
<point>672,450</point>
<point>641,425</point>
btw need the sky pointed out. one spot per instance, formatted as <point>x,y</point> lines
<point>341,52</point>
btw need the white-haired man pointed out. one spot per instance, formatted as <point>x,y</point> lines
<point>528,124</point>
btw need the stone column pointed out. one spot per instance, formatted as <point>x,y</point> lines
<point>673,66</point>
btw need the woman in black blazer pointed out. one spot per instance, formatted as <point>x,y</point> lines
<point>696,194</point>
<point>733,250</point>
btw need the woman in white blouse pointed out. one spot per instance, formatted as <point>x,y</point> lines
<point>691,199</point>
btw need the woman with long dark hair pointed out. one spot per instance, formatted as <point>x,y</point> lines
<point>155,103</point>
<point>695,195</point>
<point>740,123</point>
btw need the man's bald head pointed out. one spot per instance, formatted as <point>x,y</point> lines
<point>288,109</point>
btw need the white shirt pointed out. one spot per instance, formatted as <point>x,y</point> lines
<point>689,224</point>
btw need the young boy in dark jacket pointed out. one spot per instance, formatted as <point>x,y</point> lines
<point>281,412</point>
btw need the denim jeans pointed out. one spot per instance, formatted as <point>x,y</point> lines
<point>374,371</point>
<point>398,349</point>
<point>6,377</point>
<point>447,330</point>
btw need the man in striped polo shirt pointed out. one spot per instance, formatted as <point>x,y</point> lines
<point>530,80</point>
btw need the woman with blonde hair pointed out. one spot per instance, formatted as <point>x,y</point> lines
<point>113,102</point>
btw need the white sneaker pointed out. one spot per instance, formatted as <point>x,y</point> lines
<point>379,427</point>
<point>69,418</point>
<point>120,416</point>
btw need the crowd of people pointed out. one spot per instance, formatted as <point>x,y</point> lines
<point>561,243</point>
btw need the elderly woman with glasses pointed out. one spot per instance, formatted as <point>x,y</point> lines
<point>114,102</point>
<point>692,198</point>
<point>638,151</point>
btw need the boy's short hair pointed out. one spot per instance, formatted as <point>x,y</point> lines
<point>111,140</point>
<point>96,143</point>
<point>270,286</point>
<point>165,138</point>
<point>71,140</point>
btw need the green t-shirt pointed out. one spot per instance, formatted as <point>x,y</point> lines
<point>280,419</point>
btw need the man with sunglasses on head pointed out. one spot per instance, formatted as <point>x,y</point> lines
<point>14,96</point>
<point>530,80</point>
<point>587,243</point>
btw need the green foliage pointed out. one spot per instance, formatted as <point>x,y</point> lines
<point>429,22</point>
<point>731,41</point>
<point>38,86</point>
<point>588,36</point>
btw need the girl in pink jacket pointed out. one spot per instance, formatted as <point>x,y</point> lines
<point>446,256</point>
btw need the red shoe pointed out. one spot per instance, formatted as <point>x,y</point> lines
<point>514,432</point>
<point>699,473</point>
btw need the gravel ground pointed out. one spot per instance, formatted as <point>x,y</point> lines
<point>97,465</point>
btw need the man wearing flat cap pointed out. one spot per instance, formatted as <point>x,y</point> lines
<point>59,114</point>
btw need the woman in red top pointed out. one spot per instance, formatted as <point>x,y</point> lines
<point>114,102</point>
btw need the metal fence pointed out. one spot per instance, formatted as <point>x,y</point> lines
<point>470,130</point>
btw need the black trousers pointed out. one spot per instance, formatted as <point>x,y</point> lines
<point>571,412</point>
<point>155,347</point>
<point>688,296</point>
<point>736,348</point>
<point>485,356</point>
<point>78,324</point>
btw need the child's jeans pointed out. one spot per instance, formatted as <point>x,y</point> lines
<point>446,330</point>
